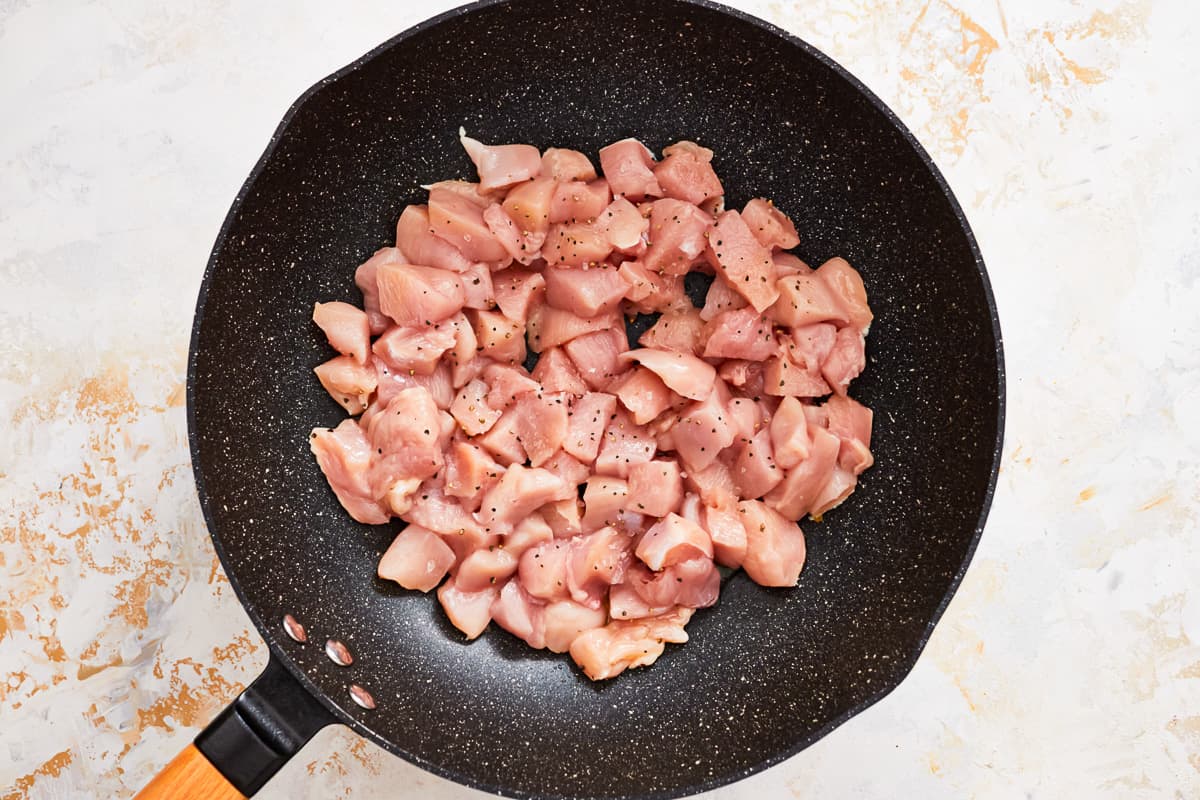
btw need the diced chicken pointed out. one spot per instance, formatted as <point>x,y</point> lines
<point>625,603</point>
<point>503,440</point>
<point>839,486</point>
<point>417,559</point>
<point>628,168</point>
<point>625,444</point>
<point>522,245</point>
<point>348,382</point>
<point>391,382</point>
<point>728,534</point>
<point>686,173</point>
<point>471,410</point>
<point>850,421</point>
<point>598,561</point>
<point>575,244</point>
<point>456,216</point>
<point>783,377</point>
<point>503,165</point>
<point>344,456</point>
<point>590,415</point>
<point>417,244</point>
<point>769,225</point>
<point>805,299</point>
<point>714,484</point>
<point>790,441</point>
<point>406,437</point>
<point>542,425</point>
<point>528,205</point>
<point>366,279</point>
<point>602,499</point>
<point>529,532</point>
<point>507,384</point>
<point>557,373</point>
<point>720,298</point>
<point>470,471</point>
<point>484,568</point>
<point>682,373</point>
<point>415,350</point>
<point>521,491</point>
<point>742,333</point>
<point>651,291</point>
<point>564,621</point>
<point>477,287</point>
<point>519,613</point>
<point>655,488</point>
<point>579,201</point>
<point>565,517</point>
<point>753,469</point>
<point>677,237</point>
<point>742,261</point>
<point>671,540</point>
<point>346,327</point>
<point>847,286</point>
<point>585,292</point>
<point>682,331</point>
<point>516,291</point>
<point>704,430</point>
<point>745,375</point>
<point>846,360</point>
<point>415,295</point>
<point>470,612</point>
<point>543,570</point>
<point>499,338</point>
<point>606,652</point>
<point>551,327</point>
<point>625,227</point>
<point>567,165</point>
<point>810,345</point>
<point>774,545</point>
<point>643,393</point>
<point>595,355</point>
<point>567,467</point>
<point>794,496</point>
<point>787,264</point>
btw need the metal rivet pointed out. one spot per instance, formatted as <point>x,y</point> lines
<point>338,653</point>
<point>362,696</point>
<point>294,628</point>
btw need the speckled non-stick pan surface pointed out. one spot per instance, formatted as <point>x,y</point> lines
<point>767,671</point>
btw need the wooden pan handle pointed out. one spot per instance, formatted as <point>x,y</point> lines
<point>189,776</point>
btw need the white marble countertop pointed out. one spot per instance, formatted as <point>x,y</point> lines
<point>1067,666</point>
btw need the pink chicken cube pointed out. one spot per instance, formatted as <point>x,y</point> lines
<point>344,456</point>
<point>686,173</point>
<point>769,225</point>
<point>742,261</point>
<point>346,327</point>
<point>678,236</point>
<point>456,216</point>
<point>846,360</point>
<point>643,393</point>
<point>485,568</point>
<point>590,415</point>
<point>562,164</point>
<point>415,350</point>
<point>470,612</point>
<point>585,292</point>
<point>682,331</point>
<point>655,487</point>
<point>415,295</point>
<point>774,545</point>
<point>682,373</point>
<point>348,382</point>
<point>575,244</point>
<point>366,278</point>
<point>557,373</point>
<point>795,495</point>
<point>602,499</point>
<point>628,168</point>
<point>417,244</point>
<point>671,540</point>
<point>595,354</point>
<point>742,333</point>
<point>521,491</point>
<point>517,291</point>
<point>847,286</point>
<point>579,201</point>
<point>606,652</point>
<point>502,165</point>
<point>417,559</point>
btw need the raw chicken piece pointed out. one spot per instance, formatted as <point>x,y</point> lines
<point>543,570</point>
<point>567,467</point>
<point>529,532</point>
<point>671,540</point>
<point>471,410</point>
<point>753,469</point>
<point>579,201</point>
<point>470,471</point>
<point>564,621</point>
<point>485,568</point>
<point>522,245</point>
<point>344,455</point>
<point>557,373</point>
<point>850,421</point>
<point>655,487</point>
<point>503,441</point>
<point>651,291</point>
<point>625,443</point>
<point>414,295</point>
<point>348,382</point>
<point>564,517</point>
<point>769,225</point>
<point>724,526</point>
<point>810,345</point>
<point>567,165</point>
<point>805,299</point>
<point>846,360</point>
<point>774,545</point>
<point>681,330</point>
<point>606,652</point>
<point>528,205</point>
<point>682,373</point>
<point>795,495</point>
<point>477,287</point>
<point>625,227</point>
<point>516,291</point>
<point>415,350</point>
<point>704,430</point>
<point>627,167</point>
<point>847,286</point>
<point>417,244</point>
<point>585,292</point>
<point>720,298</point>
<point>498,337</point>
<point>507,384</point>
<point>541,425</point>
<point>678,235</point>
<point>789,434</point>
<point>714,484</point>
<point>602,499</point>
<point>595,355</point>
<point>502,165</point>
<point>575,244</point>
<point>417,559</point>
<point>783,377</point>
<point>470,612</point>
<point>590,415</point>
<point>456,216</point>
<point>686,173</point>
<point>438,383</point>
<point>694,583</point>
<point>551,327</point>
<point>744,263</point>
<point>519,613</point>
<point>366,279</point>
<point>521,491</point>
<point>346,327</point>
<point>742,333</point>
<point>643,393</point>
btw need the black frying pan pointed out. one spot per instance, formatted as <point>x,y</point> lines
<point>767,672</point>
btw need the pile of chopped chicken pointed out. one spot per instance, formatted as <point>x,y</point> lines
<point>584,505</point>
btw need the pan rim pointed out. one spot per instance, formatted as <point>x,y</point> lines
<point>337,711</point>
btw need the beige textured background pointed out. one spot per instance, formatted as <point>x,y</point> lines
<point>1067,666</point>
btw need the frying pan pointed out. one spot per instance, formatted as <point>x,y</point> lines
<point>767,671</point>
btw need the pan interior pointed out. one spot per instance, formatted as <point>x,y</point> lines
<point>767,671</point>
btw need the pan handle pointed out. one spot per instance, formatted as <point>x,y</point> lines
<point>246,744</point>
